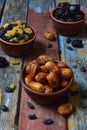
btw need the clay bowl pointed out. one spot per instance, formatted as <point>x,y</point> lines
<point>44,98</point>
<point>17,49</point>
<point>67,28</point>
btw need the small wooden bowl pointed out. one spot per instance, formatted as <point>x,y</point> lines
<point>67,28</point>
<point>44,98</point>
<point>18,49</point>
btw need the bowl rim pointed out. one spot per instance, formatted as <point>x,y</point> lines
<point>44,94</point>
<point>63,22</point>
<point>20,44</point>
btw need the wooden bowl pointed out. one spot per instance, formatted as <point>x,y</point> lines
<point>44,98</point>
<point>67,28</point>
<point>18,49</point>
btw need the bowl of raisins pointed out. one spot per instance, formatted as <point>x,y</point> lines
<point>68,19</point>
<point>45,80</point>
<point>17,38</point>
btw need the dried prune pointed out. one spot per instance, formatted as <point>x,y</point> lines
<point>32,117</point>
<point>4,108</point>
<point>68,12</point>
<point>3,62</point>
<point>77,43</point>
<point>30,105</point>
<point>74,8</point>
<point>48,121</point>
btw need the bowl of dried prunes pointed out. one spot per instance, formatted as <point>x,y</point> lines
<point>45,80</point>
<point>17,38</point>
<point>68,19</point>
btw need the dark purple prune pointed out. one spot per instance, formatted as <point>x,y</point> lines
<point>30,105</point>
<point>48,121</point>
<point>63,5</point>
<point>74,8</point>
<point>59,14</point>
<point>8,90</point>
<point>83,69</point>
<point>4,108</point>
<point>77,43</point>
<point>79,15</point>
<point>32,117</point>
<point>3,62</point>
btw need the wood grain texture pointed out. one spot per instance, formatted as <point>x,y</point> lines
<point>11,74</point>
<point>41,21</point>
<point>77,58</point>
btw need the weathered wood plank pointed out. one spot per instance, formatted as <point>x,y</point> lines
<point>41,21</point>
<point>13,10</point>
<point>77,58</point>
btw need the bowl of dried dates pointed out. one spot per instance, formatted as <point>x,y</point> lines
<point>17,38</point>
<point>68,19</point>
<point>45,80</point>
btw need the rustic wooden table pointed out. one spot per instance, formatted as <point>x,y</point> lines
<point>37,14</point>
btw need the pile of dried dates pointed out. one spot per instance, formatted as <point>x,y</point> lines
<point>68,12</point>
<point>46,75</point>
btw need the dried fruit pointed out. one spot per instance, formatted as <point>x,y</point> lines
<point>14,62</point>
<point>83,69</point>
<point>49,45</point>
<point>48,121</point>
<point>4,108</point>
<point>66,109</point>
<point>70,48</point>
<point>68,12</point>
<point>77,43</point>
<point>16,32</point>
<point>49,35</point>
<point>30,105</point>
<point>8,90</point>
<point>32,117</point>
<point>3,62</point>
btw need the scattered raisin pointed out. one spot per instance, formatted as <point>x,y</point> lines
<point>77,43</point>
<point>48,121</point>
<point>4,108</point>
<point>32,117</point>
<point>8,90</point>
<point>70,48</point>
<point>83,69</point>
<point>68,40</point>
<point>49,45</point>
<point>3,62</point>
<point>30,105</point>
